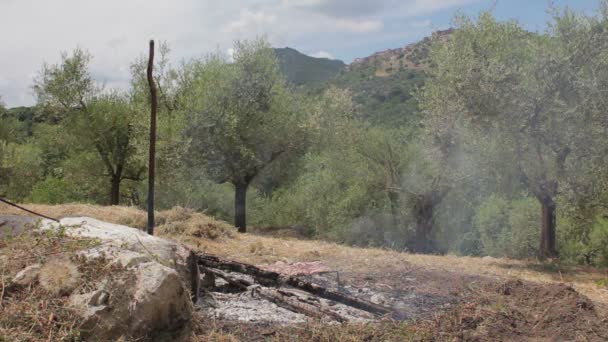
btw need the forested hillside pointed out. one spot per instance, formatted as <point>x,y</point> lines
<point>482,140</point>
<point>301,69</point>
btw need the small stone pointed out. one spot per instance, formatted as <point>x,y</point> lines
<point>27,275</point>
<point>378,299</point>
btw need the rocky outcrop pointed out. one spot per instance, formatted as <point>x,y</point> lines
<point>148,290</point>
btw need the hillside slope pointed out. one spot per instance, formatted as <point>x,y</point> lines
<point>301,69</point>
<point>383,84</point>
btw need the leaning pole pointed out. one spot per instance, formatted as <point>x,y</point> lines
<point>151,163</point>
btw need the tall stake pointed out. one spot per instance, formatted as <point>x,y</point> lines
<point>151,165</point>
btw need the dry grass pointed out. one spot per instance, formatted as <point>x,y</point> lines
<point>34,312</point>
<point>59,277</point>
<point>182,223</point>
<point>221,331</point>
<point>178,222</point>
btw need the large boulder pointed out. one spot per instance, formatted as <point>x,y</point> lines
<point>150,289</point>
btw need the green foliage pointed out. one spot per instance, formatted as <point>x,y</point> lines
<point>492,221</point>
<point>105,123</point>
<point>54,191</point>
<point>332,190</point>
<point>513,92</point>
<point>585,244</point>
<point>21,170</point>
<point>508,228</point>
<point>242,115</point>
<point>523,220</point>
<point>66,85</point>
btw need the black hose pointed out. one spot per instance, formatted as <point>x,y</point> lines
<point>29,211</point>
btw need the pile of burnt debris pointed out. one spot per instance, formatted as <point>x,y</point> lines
<point>243,292</point>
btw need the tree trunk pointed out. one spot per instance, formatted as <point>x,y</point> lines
<point>424,226</point>
<point>240,206</point>
<point>547,232</point>
<point>424,209</point>
<point>115,192</point>
<point>394,199</point>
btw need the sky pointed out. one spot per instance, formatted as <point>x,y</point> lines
<point>116,32</point>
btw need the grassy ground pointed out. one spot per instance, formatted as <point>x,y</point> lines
<point>479,283</point>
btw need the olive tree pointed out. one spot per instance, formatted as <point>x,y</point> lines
<point>523,95</point>
<point>242,117</point>
<point>102,122</point>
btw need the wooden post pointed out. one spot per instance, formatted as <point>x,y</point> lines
<point>151,164</point>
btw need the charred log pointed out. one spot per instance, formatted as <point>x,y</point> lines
<point>273,279</point>
<point>284,299</point>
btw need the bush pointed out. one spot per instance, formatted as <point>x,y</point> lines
<point>21,170</point>
<point>492,222</point>
<point>582,238</point>
<point>524,222</point>
<point>53,191</point>
<point>599,242</point>
<point>327,198</point>
<point>508,228</point>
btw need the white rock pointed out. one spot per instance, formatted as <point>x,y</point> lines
<point>130,246</point>
<point>160,299</point>
<point>147,295</point>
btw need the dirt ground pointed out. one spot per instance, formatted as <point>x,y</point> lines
<point>434,297</point>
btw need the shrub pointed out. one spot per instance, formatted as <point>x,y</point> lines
<point>508,228</point>
<point>599,242</point>
<point>524,223</point>
<point>492,222</point>
<point>54,191</point>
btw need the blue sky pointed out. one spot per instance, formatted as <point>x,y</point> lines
<point>117,31</point>
<point>532,14</point>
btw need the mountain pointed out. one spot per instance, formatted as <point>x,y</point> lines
<point>382,84</point>
<point>301,69</point>
<point>414,56</point>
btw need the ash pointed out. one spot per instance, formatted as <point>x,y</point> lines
<point>244,307</point>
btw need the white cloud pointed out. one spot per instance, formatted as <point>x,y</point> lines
<point>250,21</point>
<point>117,31</point>
<point>360,26</point>
<point>367,8</point>
<point>322,54</point>
<point>340,8</point>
